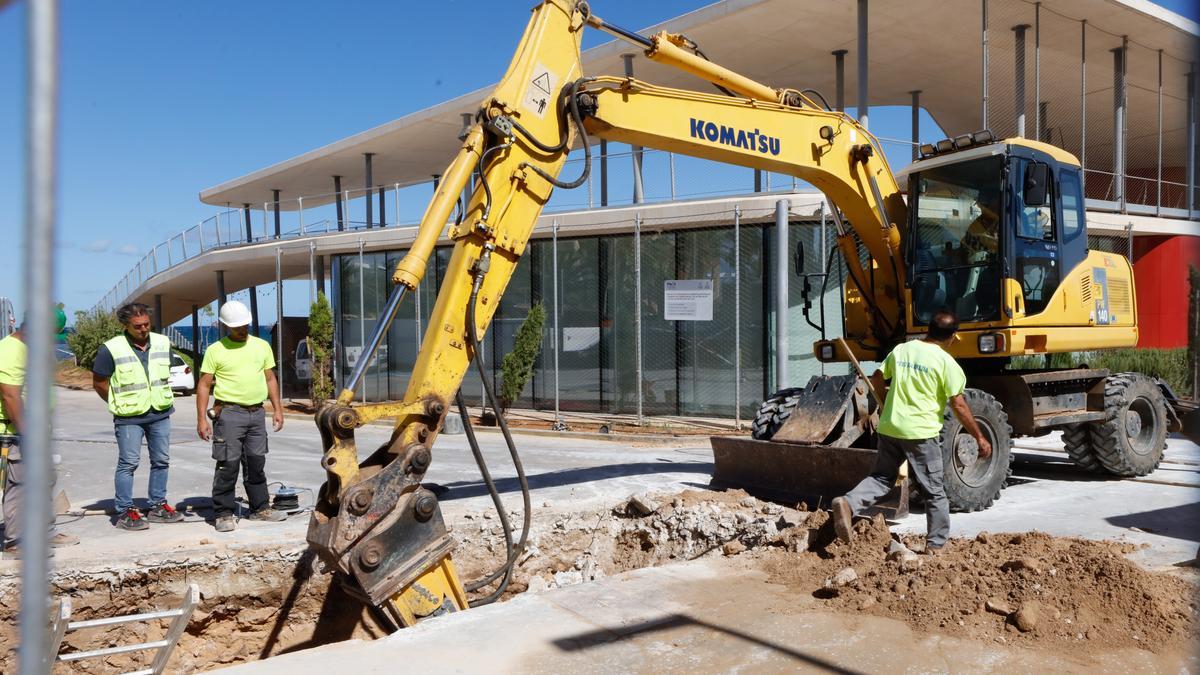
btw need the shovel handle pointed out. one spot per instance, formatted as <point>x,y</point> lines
<point>861,373</point>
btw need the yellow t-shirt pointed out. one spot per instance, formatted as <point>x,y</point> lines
<point>237,369</point>
<point>921,378</point>
<point>13,354</point>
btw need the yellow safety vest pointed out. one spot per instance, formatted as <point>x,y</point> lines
<point>133,391</point>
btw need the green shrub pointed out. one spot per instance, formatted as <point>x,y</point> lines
<point>517,366</point>
<point>320,345</point>
<point>1169,364</point>
<point>92,329</point>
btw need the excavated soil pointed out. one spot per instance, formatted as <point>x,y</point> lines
<point>258,605</point>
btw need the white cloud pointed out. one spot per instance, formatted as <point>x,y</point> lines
<point>128,249</point>
<point>98,246</point>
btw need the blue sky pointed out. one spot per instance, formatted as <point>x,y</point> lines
<point>162,99</point>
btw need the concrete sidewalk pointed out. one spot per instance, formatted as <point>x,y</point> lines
<point>712,615</point>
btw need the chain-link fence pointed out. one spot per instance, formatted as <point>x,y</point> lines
<point>649,313</point>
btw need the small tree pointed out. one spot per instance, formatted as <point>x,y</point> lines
<point>517,366</point>
<point>92,329</point>
<point>320,346</point>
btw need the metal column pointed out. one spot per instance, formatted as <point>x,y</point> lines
<point>222,298</point>
<point>196,351</point>
<point>781,294</point>
<point>312,274</point>
<point>368,184</point>
<point>758,183</point>
<point>1037,70</point>
<point>863,103</point>
<point>337,198</point>
<point>983,121</point>
<point>1083,107</point>
<point>320,274</point>
<point>279,315</point>
<point>638,194</point>
<point>1158,175</point>
<point>253,290</point>
<point>1119,102</point>
<point>362,317</point>
<point>1019,76</point>
<point>637,305</point>
<point>737,317</point>
<point>158,327</point>
<point>276,195</point>
<point>839,66</point>
<point>603,172</point>
<point>916,123</point>
<point>557,330</point>
<point>382,212</point>
<point>1191,139</point>
<point>249,226</point>
<point>41,88</point>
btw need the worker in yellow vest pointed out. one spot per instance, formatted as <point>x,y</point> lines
<point>13,355</point>
<point>132,373</point>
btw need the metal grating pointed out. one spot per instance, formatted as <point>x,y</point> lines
<point>1118,298</point>
<point>1085,288</point>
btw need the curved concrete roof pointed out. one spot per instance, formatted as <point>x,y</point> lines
<point>928,45</point>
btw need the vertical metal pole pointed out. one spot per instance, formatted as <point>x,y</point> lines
<point>638,194</point>
<point>1037,70</point>
<point>276,195</point>
<point>382,211</point>
<point>1043,131</point>
<point>916,125</point>
<point>824,259</point>
<point>312,275</point>
<point>603,172</point>
<point>368,184</point>
<point>863,104</point>
<point>671,169</point>
<point>637,303</point>
<point>321,274</point>
<point>265,208</point>
<point>196,342</point>
<point>40,179</point>
<point>249,230</point>
<point>362,316</point>
<point>737,317</point>
<point>300,214</point>
<point>984,113</point>
<point>222,298</point>
<point>839,68</point>
<point>158,326</point>
<point>396,199</point>
<point>1129,241</point>
<point>1119,124</point>
<point>337,198</point>
<point>279,314</point>
<point>758,180</point>
<point>557,330</point>
<point>349,220</point>
<point>781,294</point>
<point>1191,139</point>
<point>1158,175</point>
<point>1019,76</point>
<point>1083,106</point>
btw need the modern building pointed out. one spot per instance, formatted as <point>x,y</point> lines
<point>1111,81</point>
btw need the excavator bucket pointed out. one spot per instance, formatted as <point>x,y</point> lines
<point>821,450</point>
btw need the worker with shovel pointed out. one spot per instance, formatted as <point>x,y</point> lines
<point>914,384</point>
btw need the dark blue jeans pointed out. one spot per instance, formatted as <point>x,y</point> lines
<point>129,450</point>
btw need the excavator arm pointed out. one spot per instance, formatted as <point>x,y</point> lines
<point>373,521</point>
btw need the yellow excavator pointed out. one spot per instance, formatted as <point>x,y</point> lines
<point>993,229</point>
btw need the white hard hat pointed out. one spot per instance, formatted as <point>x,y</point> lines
<point>234,314</point>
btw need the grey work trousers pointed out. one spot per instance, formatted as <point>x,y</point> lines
<point>239,442</point>
<point>925,469</point>
<point>14,497</point>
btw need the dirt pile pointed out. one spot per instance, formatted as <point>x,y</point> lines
<point>1027,588</point>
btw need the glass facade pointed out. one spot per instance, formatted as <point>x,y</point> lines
<point>687,367</point>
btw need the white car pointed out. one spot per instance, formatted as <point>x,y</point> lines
<point>182,380</point>
<point>303,361</point>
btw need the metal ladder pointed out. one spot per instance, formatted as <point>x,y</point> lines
<point>60,623</point>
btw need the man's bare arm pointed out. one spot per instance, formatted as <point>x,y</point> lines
<point>100,386</point>
<point>880,386</point>
<point>963,412</point>
<point>11,393</point>
<point>273,394</point>
<point>203,386</point>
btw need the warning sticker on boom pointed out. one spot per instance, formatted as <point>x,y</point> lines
<point>539,96</point>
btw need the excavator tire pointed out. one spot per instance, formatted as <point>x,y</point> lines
<point>1131,441</point>
<point>971,483</point>
<point>774,412</point>
<point>1078,441</point>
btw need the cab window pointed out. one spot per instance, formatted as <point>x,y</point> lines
<point>1034,222</point>
<point>1072,204</point>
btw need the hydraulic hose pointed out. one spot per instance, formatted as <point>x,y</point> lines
<point>577,119</point>
<point>473,442</point>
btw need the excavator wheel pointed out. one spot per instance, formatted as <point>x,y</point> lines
<point>973,483</point>
<point>774,412</point>
<point>1077,439</point>
<point>1131,441</point>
